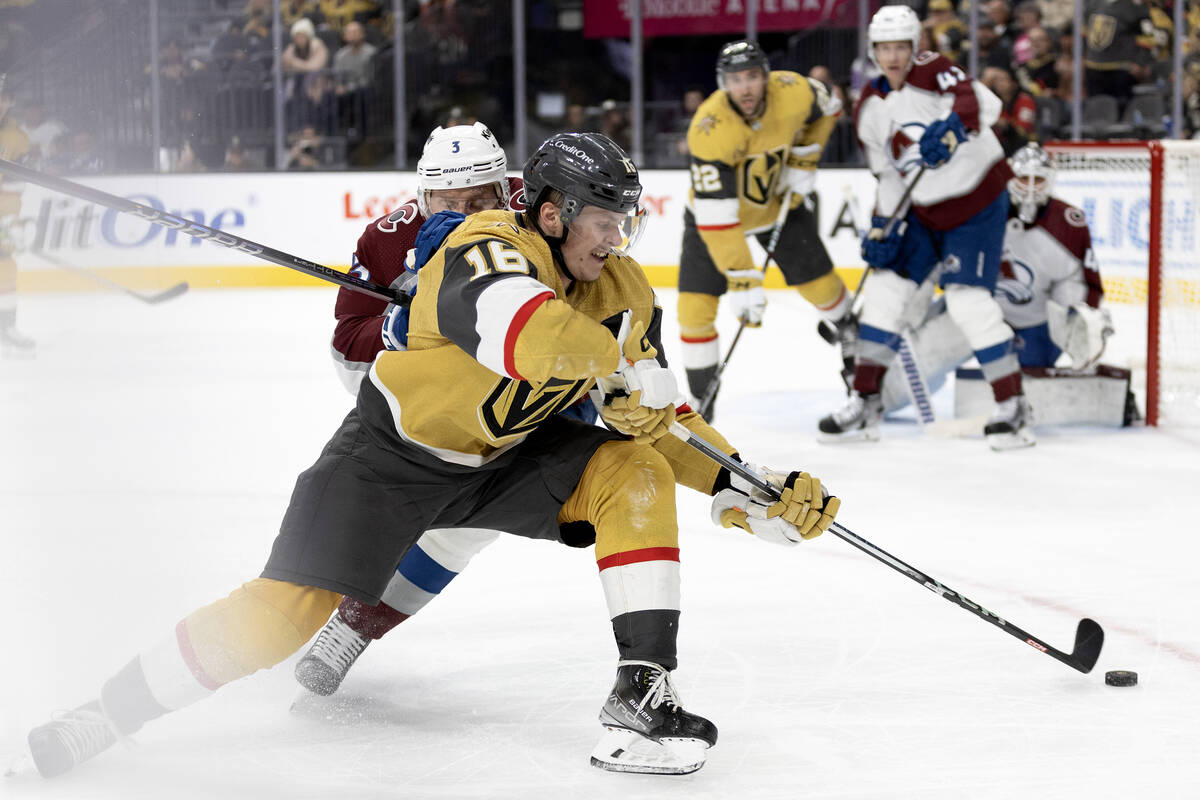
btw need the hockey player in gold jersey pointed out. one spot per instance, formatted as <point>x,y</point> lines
<point>14,145</point>
<point>515,316</point>
<point>754,139</point>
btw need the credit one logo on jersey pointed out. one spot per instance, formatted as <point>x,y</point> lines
<point>65,222</point>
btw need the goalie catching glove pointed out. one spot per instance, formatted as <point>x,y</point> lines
<point>804,509</point>
<point>639,398</point>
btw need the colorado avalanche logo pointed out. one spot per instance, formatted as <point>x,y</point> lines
<point>517,201</point>
<point>904,149</point>
<point>1015,283</point>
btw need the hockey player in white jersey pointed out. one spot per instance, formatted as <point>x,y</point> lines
<point>925,122</point>
<point>1049,287</point>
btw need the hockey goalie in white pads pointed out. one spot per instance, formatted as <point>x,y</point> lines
<point>1049,291</point>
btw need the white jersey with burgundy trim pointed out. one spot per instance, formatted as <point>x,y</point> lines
<point>1051,259</point>
<point>890,123</point>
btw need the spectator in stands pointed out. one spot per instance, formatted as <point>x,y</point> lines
<point>255,22</point>
<point>304,153</point>
<point>1191,104</point>
<point>991,48</point>
<point>693,96</point>
<point>235,156</point>
<point>316,105</point>
<point>305,52</point>
<point>82,156</point>
<point>999,16</point>
<point>1057,14</point>
<point>189,161</point>
<point>353,61</point>
<point>946,29</point>
<point>1016,126</point>
<point>340,13</point>
<point>576,120</point>
<point>1116,52</point>
<point>40,130</point>
<point>615,124</point>
<point>354,64</point>
<point>1026,17</point>
<point>302,60</point>
<point>292,10</point>
<point>1037,75</point>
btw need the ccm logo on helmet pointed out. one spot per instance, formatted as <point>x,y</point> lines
<point>573,150</point>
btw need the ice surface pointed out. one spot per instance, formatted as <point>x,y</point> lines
<point>149,451</point>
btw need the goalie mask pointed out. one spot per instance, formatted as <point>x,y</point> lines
<point>738,56</point>
<point>894,24</point>
<point>587,169</point>
<point>458,157</point>
<point>1032,182</point>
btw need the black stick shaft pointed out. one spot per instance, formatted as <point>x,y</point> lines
<point>201,231</point>
<point>1089,636</point>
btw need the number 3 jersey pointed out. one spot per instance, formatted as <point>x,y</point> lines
<point>379,258</point>
<point>890,123</point>
<point>736,164</point>
<point>496,345</point>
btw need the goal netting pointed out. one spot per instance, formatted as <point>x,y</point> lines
<point>1142,201</point>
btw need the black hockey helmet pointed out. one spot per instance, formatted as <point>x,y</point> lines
<point>740,55</point>
<point>589,169</point>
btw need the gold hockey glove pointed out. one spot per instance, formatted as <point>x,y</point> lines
<point>803,511</point>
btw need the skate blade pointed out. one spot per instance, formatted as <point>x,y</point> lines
<point>850,437</point>
<point>622,750</point>
<point>1011,441</point>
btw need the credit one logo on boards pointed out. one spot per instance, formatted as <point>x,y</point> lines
<point>51,223</point>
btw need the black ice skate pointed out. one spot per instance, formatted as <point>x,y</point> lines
<point>1011,426</point>
<point>843,333</point>
<point>645,728</point>
<point>326,663</point>
<point>857,421</point>
<point>71,738</point>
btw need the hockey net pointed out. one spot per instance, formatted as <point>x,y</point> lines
<point>1142,201</point>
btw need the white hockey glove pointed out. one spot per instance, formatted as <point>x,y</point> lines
<point>795,516</point>
<point>639,398</point>
<point>747,300</point>
<point>801,173</point>
<point>1088,330</point>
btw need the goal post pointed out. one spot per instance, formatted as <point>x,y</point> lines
<point>1142,202</point>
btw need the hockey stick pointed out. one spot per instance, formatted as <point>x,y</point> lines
<point>201,231</point>
<point>1089,636</point>
<point>151,298</point>
<point>825,327</point>
<point>710,392</point>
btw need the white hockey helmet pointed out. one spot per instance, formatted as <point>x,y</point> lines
<point>1032,181</point>
<point>460,156</point>
<point>894,24</point>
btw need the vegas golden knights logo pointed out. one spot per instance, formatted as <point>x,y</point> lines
<point>1101,30</point>
<point>515,407</point>
<point>760,174</point>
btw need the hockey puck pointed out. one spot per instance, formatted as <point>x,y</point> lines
<point>1120,677</point>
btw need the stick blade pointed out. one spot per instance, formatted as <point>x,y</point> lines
<point>1089,638</point>
<point>166,294</point>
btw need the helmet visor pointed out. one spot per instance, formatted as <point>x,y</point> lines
<point>614,230</point>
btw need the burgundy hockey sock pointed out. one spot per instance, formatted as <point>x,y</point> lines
<point>369,621</point>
